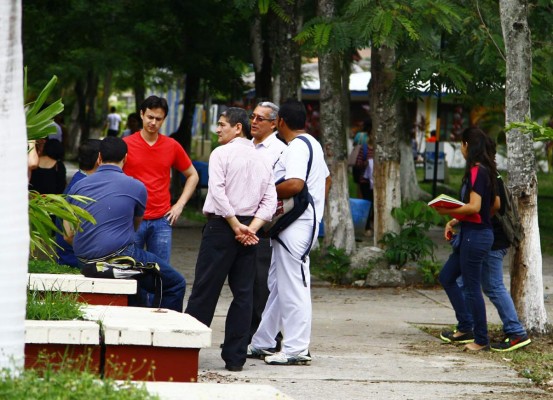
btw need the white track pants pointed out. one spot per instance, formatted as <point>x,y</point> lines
<point>288,307</point>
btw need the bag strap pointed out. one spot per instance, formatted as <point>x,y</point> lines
<point>311,202</point>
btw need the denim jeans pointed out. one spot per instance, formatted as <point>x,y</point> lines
<point>155,235</point>
<point>470,309</point>
<point>493,287</point>
<point>173,283</point>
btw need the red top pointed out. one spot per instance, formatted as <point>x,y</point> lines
<point>152,166</point>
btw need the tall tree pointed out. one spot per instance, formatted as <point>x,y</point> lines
<point>526,260</point>
<point>338,224</point>
<point>288,54</point>
<point>384,113</point>
<point>14,226</point>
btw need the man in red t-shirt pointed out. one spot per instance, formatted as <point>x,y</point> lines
<point>150,158</point>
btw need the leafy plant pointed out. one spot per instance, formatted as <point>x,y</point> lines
<point>53,305</point>
<point>412,242</point>
<point>430,271</point>
<point>539,132</point>
<point>50,267</point>
<point>331,264</point>
<point>42,208</point>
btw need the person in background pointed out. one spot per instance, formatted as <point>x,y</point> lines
<point>113,122</point>
<point>89,152</point>
<point>266,141</point>
<point>50,174</point>
<point>150,159</point>
<point>134,124</point>
<point>241,198</point>
<point>478,192</point>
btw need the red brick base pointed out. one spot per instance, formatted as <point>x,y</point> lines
<point>82,357</point>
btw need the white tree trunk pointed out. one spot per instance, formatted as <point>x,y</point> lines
<point>384,112</point>
<point>338,222</point>
<point>526,261</point>
<point>14,224</point>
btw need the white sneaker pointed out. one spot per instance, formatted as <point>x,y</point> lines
<point>280,358</point>
<point>254,352</point>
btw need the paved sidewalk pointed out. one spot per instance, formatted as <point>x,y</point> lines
<point>365,345</point>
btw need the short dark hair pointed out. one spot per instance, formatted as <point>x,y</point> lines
<point>293,113</point>
<point>88,154</point>
<point>155,102</point>
<point>112,109</point>
<point>235,115</point>
<point>113,149</point>
<point>53,149</point>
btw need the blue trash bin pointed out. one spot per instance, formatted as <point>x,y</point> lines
<point>359,213</point>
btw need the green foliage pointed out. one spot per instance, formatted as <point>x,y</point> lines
<point>539,132</point>
<point>50,267</point>
<point>53,306</point>
<point>68,381</point>
<point>411,243</point>
<point>42,207</point>
<point>430,271</point>
<point>40,122</point>
<point>330,264</point>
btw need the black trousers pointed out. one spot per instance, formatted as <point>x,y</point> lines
<point>260,288</point>
<point>221,255</point>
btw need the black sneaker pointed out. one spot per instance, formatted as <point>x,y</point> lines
<point>511,343</point>
<point>448,337</point>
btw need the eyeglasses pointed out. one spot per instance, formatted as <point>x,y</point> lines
<point>254,117</point>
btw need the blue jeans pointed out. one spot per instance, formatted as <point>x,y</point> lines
<point>470,309</point>
<point>493,287</point>
<point>155,235</point>
<point>173,283</point>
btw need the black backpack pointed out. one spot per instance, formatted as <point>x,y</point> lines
<point>508,216</point>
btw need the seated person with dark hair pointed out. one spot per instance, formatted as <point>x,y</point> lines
<point>118,208</point>
<point>88,162</point>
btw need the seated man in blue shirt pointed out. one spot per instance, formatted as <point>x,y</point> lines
<point>118,207</point>
<point>88,162</point>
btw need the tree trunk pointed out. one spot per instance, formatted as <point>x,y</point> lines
<point>526,261</point>
<point>261,56</point>
<point>14,224</point>
<point>384,113</point>
<point>288,51</point>
<point>338,222</point>
<point>139,89</point>
<point>410,189</point>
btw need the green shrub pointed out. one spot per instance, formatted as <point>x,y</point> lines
<point>430,271</point>
<point>412,242</point>
<point>50,267</point>
<point>53,305</point>
<point>330,264</point>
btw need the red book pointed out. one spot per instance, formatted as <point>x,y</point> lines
<point>445,201</point>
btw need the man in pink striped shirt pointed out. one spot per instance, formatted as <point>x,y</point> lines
<point>241,197</point>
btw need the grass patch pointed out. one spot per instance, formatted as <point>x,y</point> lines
<point>51,267</point>
<point>545,200</point>
<point>534,362</point>
<point>53,305</point>
<point>67,382</point>
<point>193,214</point>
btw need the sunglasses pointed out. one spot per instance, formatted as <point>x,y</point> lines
<point>254,117</point>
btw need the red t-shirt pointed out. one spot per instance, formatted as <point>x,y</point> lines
<point>152,166</point>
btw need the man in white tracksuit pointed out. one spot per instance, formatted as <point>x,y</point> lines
<point>288,308</point>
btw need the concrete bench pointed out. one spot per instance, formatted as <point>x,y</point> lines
<point>150,344</point>
<point>61,341</point>
<point>124,342</point>
<point>97,291</point>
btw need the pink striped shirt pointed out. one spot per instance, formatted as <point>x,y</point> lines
<point>240,182</point>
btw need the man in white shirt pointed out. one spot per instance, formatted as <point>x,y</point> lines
<point>288,307</point>
<point>266,141</point>
<point>113,122</point>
